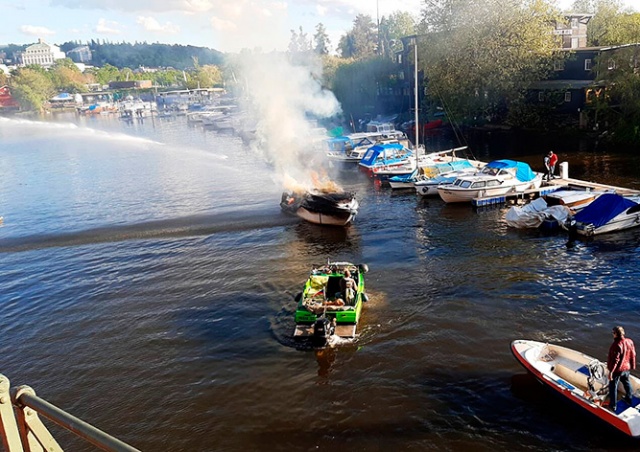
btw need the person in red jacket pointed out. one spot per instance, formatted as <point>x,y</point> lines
<point>550,162</point>
<point>621,359</point>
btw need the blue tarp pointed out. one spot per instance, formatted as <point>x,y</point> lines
<point>386,152</point>
<point>453,166</point>
<point>603,209</point>
<point>523,170</point>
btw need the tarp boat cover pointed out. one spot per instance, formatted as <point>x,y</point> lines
<point>603,209</point>
<point>532,215</point>
<point>387,153</point>
<point>524,173</point>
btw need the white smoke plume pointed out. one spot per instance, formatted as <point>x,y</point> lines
<point>282,97</point>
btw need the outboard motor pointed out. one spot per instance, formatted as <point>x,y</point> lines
<point>323,329</point>
<point>572,228</point>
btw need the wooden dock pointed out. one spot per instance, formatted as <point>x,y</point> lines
<point>550,186</point>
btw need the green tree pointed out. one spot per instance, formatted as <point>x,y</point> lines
<point>620,108</point>
<point>361,41</point>
<point>32,88</point>
<point>299,42</point>
<point>322,41</point>
<point>398,25</point>
<point>207,76</point>
<point>66,76</point>
<point>483,58</point>
<point>106,74</point>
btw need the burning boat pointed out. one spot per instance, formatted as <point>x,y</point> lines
<point>319,207</point>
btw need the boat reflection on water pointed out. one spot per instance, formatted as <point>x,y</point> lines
<point>326,357</point>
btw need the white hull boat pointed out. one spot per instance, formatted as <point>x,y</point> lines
<point>429,187</point>
<point>497,178</point>
<point>580,379</point>
<point>608,213</point>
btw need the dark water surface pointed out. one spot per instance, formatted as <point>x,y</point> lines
<point>148,278</point>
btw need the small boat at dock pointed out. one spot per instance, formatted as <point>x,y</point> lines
<point>609,212</point>
<point>499,177</point>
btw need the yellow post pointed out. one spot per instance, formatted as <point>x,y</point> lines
<point>8,425</point>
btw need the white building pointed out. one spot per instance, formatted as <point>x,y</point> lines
<point>42,53</point>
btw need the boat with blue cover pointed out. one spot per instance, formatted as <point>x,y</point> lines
<point>607,213</point>
<point>499,177</point>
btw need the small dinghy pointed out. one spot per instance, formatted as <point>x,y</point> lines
<point>333,209</point>
<point>582,380</point>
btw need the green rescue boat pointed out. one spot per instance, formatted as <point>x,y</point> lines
<point>331,302</point>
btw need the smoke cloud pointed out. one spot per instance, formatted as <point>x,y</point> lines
<point>285,99</point>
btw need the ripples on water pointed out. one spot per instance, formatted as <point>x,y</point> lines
<point>148,283</point>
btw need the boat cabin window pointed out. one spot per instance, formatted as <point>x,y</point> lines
<point>493,183</point>
<point>490,171</point>
<point>479,184</point>
<point>465,184</point>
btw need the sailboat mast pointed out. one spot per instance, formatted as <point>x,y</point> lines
<point>415,89</point>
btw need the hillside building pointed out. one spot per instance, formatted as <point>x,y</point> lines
<point>42,53</point>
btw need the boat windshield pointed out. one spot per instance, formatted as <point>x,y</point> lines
<point>490,171</point>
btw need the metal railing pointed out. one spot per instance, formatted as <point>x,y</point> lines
<point>23,431</point>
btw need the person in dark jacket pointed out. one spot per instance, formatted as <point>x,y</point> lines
<point>621,359</point>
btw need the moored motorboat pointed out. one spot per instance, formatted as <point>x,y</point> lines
<point>580,379</point>
<point>607,213</point>
<point>351,148</point>
<point>326,307</point>
<point>498,177</point>
<point>324,208</point>
<point>429,186</point>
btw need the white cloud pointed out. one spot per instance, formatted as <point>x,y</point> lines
<point>32,30</point>
<point>107,27</point>
<point>222,25</point>
<point>152,25</point>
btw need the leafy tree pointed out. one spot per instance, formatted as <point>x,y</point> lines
<point>299,42</point>
<point>68,79</point>
<point>32,88</point>
<point>398,25</point>
<point>321,38</point>
<point>361,40</point>
<point>206,76</point>
<point>106,74</point>
<point>621,106</point>
<point>486,52</point>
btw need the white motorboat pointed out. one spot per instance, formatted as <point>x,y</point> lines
<point>497,178</point>
<point>580,379</point>
<point>607,213</point>
<point>429,187</point>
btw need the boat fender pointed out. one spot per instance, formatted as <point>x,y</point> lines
<point>365,297</point>
<point>364,268</point>
<point>298,296</point>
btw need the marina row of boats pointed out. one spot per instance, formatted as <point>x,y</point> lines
<point>385,156</point>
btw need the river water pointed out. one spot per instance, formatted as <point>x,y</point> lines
<point>148,278</point>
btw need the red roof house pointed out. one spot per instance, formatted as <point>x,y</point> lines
<point>6,100</point>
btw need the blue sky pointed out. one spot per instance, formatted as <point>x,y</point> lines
<point>225,25</point>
